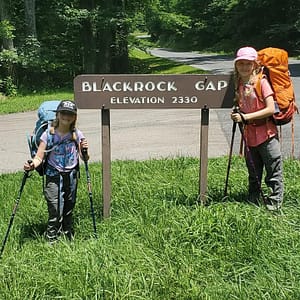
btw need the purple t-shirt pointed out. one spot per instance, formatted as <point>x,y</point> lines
<point>63,155</point>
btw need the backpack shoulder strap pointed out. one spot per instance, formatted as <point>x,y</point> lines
<point>76,141</point>
<point>50,139</point>
<point>257,85</point>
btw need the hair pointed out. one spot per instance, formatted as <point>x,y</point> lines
<point>55,124</point>
<point>253,77</point>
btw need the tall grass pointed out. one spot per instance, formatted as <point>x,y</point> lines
<point>159,243</point>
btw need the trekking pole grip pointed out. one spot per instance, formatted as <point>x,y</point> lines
<point>29,161</point>
<point>237,110</point>
<point>85,154</point>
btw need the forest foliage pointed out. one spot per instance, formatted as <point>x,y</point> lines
<point>45,44</point>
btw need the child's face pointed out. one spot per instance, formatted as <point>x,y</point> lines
<point>66,118</point>
<point>245,67</point>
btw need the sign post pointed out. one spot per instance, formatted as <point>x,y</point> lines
<point>106,161</point>
<point>125,91</point>
<point>203,154</point>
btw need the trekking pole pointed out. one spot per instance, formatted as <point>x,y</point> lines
<point>229,158</point>
<point>88,179</point>
<point>235,110</point>
<point>25,176</point>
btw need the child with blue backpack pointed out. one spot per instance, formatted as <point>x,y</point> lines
<point>61,169</point>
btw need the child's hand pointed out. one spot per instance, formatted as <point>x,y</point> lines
<point>29,165</point>
<point>84,144</point>
<point>84,150</point>
<point>238,117</point>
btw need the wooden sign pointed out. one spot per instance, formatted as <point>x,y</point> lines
<point>109,91</point>
<point>153,91</point>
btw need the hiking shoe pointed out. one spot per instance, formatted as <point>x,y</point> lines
<point>51,238</point>
<point>69,235</point>
<point>272,206</point>
<point>253,198</point>
<point>253,201</point>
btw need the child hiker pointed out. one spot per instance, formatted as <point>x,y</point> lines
<point>62,167</point>
<point>262,147</point>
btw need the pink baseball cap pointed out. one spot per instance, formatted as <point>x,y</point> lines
<point>247,53</point>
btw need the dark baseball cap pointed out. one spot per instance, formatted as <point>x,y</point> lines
<point>68,106</point>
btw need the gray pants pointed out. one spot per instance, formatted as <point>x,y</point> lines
<point>60,193</point>
<point>268,156</point>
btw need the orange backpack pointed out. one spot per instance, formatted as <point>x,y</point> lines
<point>274,62</point>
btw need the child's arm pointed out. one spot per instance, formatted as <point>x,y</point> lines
<point>266,112</point>
<point>38,159</point>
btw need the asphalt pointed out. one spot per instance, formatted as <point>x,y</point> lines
<point>147,134</point>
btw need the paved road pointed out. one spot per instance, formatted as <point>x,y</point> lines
<point>135,134</point>
<point>144,134</point>
<point>222,64</point>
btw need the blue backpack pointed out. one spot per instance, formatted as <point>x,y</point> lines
<point>46,114</point>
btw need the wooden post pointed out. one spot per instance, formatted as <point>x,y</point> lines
<point>106,162</point>
<point>203,154</point>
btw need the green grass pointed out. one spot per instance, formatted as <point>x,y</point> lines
<point>159,242</point>
<point>144,63</point>
<point>30,102</point>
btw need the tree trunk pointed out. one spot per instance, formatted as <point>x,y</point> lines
<point>120,63</point>
<point>6,67</point>
<point>112,39</point>
<point>30,18</point>
<point>105,43</point>
<point>7,43</point>
<point>88,40</point>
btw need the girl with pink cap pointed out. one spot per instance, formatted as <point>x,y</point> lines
<point>259,131</point>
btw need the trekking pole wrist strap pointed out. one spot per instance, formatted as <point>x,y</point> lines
<point>244,121</point>
<point>36,161</point>
<point>38,158</point>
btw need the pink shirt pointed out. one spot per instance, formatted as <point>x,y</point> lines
<point>260,130</point>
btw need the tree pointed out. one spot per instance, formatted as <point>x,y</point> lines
<point>6,28</point>
<point>48,43</point>
<point>8,55</point>
<point>30,18</point>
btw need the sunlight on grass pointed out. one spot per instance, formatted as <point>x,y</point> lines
<point>30,102</point>
<point>144,63</point>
